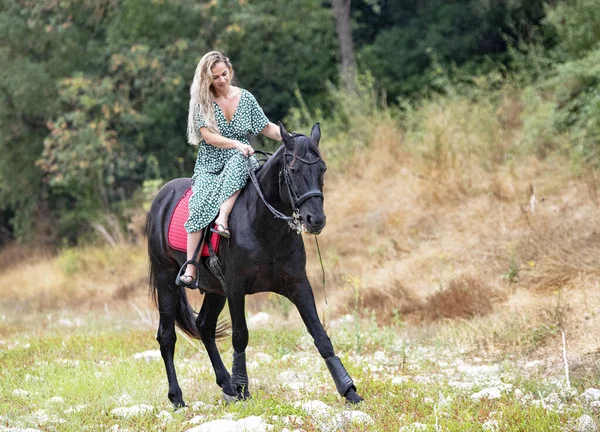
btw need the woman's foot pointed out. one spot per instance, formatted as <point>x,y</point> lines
<point>221,230</point>
<point>189,276</point>
<point>187,279</point>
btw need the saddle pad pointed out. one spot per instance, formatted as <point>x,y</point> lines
<point>177,235</point>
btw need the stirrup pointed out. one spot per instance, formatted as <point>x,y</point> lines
<point>193,284</point>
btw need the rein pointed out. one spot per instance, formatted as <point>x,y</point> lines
<point>296,201</point>
<point>294,221</point>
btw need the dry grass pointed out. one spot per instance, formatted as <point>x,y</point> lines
<point>76,279</point>
<point>465,297</point>
<point>437,221</point>
<point>431,223</point>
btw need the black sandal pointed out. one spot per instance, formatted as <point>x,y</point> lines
<point>221,230</point>
<point>182,278</point>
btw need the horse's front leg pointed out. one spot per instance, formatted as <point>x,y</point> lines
<point>302,296</point>
<point>239,339</point>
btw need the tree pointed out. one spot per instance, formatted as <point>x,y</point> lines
<point>280,45</point>
<point>341,11</point>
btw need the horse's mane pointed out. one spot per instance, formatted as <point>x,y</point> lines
<point>304,148</point>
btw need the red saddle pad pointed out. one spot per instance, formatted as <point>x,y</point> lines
<point>177,235</point>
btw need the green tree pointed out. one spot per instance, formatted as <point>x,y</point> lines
<point>280,45</point>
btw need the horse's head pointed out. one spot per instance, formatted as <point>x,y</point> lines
<point>301,182</point>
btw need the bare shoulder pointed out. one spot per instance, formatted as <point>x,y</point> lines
<point>236,91</point>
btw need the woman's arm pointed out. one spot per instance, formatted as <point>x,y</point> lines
<point>218,140</point>
<point>272,131</point>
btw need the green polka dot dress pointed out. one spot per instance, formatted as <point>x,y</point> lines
<point>218,172</point>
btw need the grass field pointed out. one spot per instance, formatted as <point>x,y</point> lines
<point>455,262</point>
<point>73,372</point>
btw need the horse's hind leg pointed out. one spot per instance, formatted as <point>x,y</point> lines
<point>206,322</point>
<point>302,296</point>
<point>166,337</point>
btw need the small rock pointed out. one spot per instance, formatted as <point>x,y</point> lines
<point>491,426</point>
<point>76,408</point>
<point>217,426</point>
<point>262,357</point>
<point>400,379</point>
<point>56,400</point>
<point>124,399</point>
<point>201,406</point>
<point>148,356</point>
<point>314,408</point>
<point>20,393</point>
<point>289,420</point>
<point>66,322</point>
<point>491,392</point>
<point>197,419</point>
<point>253,424</point>
<point>586,424</point>
<point>164,416</point>
<point>133,411</point>
<point>258,320</point>
<point>379,356</point>
<point>591,394</point>
<point>533,364</point>
<point>345,319</point>
<point>353,417</point>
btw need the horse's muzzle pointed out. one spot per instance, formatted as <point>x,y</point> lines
<point>314,224</point>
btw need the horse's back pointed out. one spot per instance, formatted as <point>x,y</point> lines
<point>162,209</point>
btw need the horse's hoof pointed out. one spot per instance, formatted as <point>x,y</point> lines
<point>229,398</point>
<point>177,405</point>
<point>352,397</point>
<point>244,396</point>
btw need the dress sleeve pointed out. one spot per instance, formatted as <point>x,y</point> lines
<point>258,119</point>
<point>199,119</point>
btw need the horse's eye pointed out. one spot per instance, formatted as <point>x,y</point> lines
<point>293,170</point>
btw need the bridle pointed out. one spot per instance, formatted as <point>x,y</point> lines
<point>285,179</point>
<point>295,200</point>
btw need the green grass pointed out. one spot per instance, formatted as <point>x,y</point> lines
<point>92,367</point>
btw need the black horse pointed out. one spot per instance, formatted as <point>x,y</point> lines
<point>263,255</point>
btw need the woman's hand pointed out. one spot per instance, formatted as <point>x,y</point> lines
<point>246,149</point>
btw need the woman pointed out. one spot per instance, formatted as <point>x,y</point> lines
<point>220,116</point>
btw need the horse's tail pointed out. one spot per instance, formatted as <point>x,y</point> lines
<point>185,317</point>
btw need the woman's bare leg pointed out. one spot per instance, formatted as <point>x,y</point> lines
<point>225,210</point>
<point>192,243</point>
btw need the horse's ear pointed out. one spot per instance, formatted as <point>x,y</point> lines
<point>315,133</point>
<point>286,137</point>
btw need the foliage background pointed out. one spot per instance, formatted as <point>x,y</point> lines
<point>93,93</point>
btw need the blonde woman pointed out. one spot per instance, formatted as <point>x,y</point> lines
<point>220,116</point>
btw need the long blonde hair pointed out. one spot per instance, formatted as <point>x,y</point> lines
<point>202,94</point>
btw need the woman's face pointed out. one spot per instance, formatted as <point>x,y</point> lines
<point>221,76</point>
